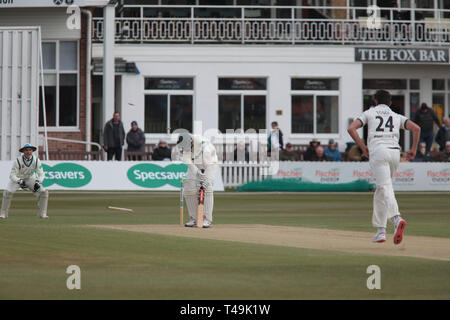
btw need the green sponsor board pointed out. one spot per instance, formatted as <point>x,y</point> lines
<point>154,176</point>
<point>69,175</point>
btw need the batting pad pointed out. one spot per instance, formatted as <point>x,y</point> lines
<point>191,203</point>
<point>208,205</point>
<point>42,203</point>
<point>6,203</point>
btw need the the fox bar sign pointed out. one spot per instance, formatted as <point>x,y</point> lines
<point>402,55</point>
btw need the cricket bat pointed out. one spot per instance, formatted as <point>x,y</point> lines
<point>200,207</point>
<point>181,201</point>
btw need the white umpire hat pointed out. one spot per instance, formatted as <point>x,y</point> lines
<point>27,146</point>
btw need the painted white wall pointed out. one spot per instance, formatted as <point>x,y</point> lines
<point>51,20</point>
<point>132,104</point>
<point>278,63</point>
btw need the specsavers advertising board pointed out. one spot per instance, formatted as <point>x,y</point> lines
<point>111,175</point>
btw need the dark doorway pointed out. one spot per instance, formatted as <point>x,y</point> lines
<point>398,106</point>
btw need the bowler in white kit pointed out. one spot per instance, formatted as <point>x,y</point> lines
<point>383,152</point>
<point>26,174</point>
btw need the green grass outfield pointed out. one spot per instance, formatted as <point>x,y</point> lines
<point>34,254</point>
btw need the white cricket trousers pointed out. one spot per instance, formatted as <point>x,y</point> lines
<point>384,162</point>
<point>192,189</point>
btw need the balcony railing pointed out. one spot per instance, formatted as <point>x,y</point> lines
<point>343,25</point>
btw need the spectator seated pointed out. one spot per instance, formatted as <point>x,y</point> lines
<point>289,154</point>
<point>162,152</point>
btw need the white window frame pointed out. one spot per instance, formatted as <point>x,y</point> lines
<point>445,92</point>
<point>315,93</point>
<point>169,93</point>
<point>57,72</point>
<point>242,93</point>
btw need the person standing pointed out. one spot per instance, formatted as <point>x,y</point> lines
<point>275,140</point>
<point>201,159</point>
<point>26,174</point>
<point>114,137</point>
<point>424,118</point>
<point>383,152</point>
<point>443,134</point>
<point>135,140</point>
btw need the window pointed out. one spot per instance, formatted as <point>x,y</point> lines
<point>414,84</point>
<point>242,84</point>
<point>440,106</point>
<point>414,98</point>
<point>303,114</point>
<point>428,4</point>
<point>387,84</point>
<point>438,84</point>
<point>169,84</point>
<point>315,84</point>
<point>60,60</point>
<point>168,104</point>
<point>242,104</point>
<point>414,102</point>
<point>315,106</point>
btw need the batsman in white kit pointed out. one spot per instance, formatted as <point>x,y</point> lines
<point>200,156</point>
<point>26,174</point>
<point>383,152</point>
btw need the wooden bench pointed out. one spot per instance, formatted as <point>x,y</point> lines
<point>438,156</point>
<point>137,156</point>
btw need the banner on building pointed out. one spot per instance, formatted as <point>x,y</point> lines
<point>402,55</point>
<point>409,176</point>
<point>102,175</point>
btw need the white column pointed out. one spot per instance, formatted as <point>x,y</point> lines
<point>426,91</point>
<point>108,63</point>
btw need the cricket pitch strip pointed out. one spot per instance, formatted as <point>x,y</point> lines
<point>310,238</point>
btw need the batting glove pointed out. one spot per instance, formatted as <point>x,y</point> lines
<point>22,184</point>
<point>203,178</point>
<point>37,186</point>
